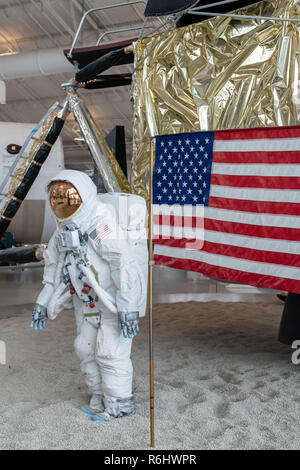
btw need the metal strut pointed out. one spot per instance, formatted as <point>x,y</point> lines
<point>36,158</point>
<point>106,7</point>
<point>113,177</point>
<point>20,155</point>
<point>123,30</point>
<point>244,17</point>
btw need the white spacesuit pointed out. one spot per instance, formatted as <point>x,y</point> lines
<point>96,262</point>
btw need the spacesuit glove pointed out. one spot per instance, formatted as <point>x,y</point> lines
<point>39,317</point>
<point>129,323</point>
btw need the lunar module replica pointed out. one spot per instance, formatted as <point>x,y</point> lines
<point>89,64</point>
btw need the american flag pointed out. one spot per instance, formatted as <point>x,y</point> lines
<point>239,193</point>
<point>100,232</point>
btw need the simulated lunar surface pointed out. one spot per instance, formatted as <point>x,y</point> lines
<point>222,381</point>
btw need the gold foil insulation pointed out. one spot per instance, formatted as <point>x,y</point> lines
<point>19,173</point>
<point>108,166</point>
<point>221,73</point>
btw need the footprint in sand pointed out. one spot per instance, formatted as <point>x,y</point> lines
<point>229,378</point>
<point>240,397</point>
<point>285,375</point>
<point>204,377</point>
<point>222,410</point>
<point>259,384</point>
<point>274,393</point>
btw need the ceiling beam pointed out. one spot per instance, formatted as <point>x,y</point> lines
<point>40,8</point>
<point>36,21</point>
<point>58,18</point>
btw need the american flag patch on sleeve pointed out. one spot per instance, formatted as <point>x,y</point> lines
<point>100,232</point>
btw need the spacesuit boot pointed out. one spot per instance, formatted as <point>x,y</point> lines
<point>95,406</point>
<point>116,408</point>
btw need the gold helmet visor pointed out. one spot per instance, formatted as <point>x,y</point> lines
<point>64,199</point>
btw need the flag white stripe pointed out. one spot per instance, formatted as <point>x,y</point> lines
<point>264,220</point>
<point>243,241</point>
<point>267,269</point>
<point>255,243</point>
<point>255,194</point>
<point>254,169</point>
<point>257,145</point>
<point>188,210</point>
<point>226,215</point>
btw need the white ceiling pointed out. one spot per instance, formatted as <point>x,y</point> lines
<point>28,25</point>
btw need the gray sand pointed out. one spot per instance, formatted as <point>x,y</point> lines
<point>222,381</point>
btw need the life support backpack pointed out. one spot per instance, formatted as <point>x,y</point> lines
<point>130,211</point>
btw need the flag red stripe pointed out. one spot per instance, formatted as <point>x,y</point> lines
<point>284,259</point>
<point>186,243</point>
<point>263,207</point>
<point>250,230</point>
<point>259,133</point>
<point>268,182</point>
<point>257,157</point>
<point>232,275</point>
<point>179,221</point>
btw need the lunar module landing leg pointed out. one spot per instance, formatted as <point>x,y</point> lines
<point>24,176</point>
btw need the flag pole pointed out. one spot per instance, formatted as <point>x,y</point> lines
<point>150,283</point>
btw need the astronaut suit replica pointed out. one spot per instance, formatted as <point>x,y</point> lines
<point>96,262</point>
